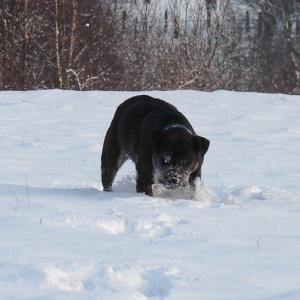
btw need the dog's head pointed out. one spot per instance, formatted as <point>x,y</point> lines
<point>177,154</point>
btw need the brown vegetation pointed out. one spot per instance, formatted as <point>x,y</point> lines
<point>141,45</point>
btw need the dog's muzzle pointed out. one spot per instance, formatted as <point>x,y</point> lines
<point>173,181</point>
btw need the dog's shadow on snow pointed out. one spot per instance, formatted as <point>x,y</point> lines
<point>22,193</point>
<point>26,192</point>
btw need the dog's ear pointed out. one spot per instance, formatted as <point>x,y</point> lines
<point>202,144</point>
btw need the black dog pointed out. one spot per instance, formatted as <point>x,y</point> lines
<point>160,141</point>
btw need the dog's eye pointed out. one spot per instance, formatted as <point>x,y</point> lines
<point>166,159</point>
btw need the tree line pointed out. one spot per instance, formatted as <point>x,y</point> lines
<point>143,45</point>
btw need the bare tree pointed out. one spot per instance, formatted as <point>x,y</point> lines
<point>143,45</point>
<point>277,55</point>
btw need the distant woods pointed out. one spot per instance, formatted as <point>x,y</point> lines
<point>153,44</point>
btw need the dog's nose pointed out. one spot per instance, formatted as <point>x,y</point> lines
<point>174,180</point>
<point>172,183</point>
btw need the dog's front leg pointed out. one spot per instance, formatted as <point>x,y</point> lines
<point>144,179</point>
<point>192,182</point>
<point>144,187</point>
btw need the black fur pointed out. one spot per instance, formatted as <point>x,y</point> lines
<point>160,141</point>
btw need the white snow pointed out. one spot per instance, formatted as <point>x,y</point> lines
<point>63,238</point>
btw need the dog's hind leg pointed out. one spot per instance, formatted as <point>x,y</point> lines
<point>112,159</point>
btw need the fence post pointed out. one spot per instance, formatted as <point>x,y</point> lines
<point>247,22</point>
<point>124,17</point>
<point>176,28</point>
<point>135,27</point>
<point>166,21</point>
<point>259,24</point>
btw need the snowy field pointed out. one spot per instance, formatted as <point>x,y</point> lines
<point>63,238</point>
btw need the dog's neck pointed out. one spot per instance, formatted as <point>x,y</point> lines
<point>171,126</point>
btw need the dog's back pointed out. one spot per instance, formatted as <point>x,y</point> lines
<point>141,105</point>
<point>132,115</point>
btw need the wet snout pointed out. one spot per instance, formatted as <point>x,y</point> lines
<point>174,181</point>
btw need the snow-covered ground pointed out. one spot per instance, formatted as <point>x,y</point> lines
<point>61,237</point>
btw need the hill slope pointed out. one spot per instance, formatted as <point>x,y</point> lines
<point>63,238</point>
